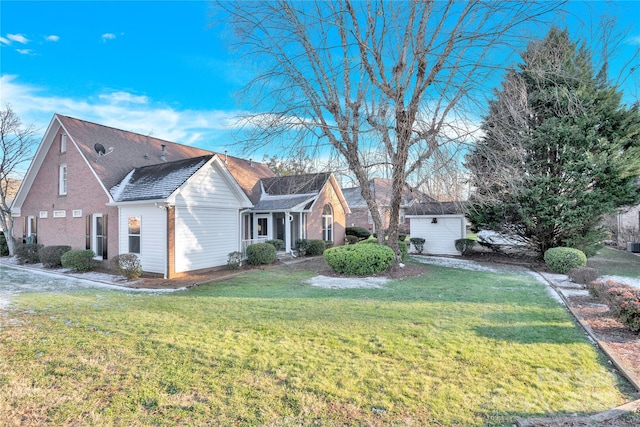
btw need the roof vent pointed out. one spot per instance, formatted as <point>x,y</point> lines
<point>99,149</point>
<point>226,158</point>
<point>163,157</point>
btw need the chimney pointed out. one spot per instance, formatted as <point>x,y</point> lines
<point>162,156</point>
<point>226,159</point>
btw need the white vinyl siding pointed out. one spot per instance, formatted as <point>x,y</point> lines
<point>205,237</point>
<point>207,221</point>
<point>439,237</point>
<point>153,234</point>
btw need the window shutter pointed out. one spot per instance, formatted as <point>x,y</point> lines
<point>24,227</point>
<point>87,227</point>
<point>105,240</point>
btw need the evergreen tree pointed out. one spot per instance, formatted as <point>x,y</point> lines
<point>559,150</point>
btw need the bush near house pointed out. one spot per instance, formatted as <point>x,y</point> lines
<point>261,254</point>
<point>418,243</point>
<point>51,256</point>
<point>315,247</point>
<point>4,248</point>
<point>360,232</point>
<point>28,253</point>
<point>360,260</point>
<point>128,265</point>
<point>562,260</point>
<point>234,260</point>
<point>623,301</point>
<point>350,240</point>
<point>78,260</point>
<point>276,243</point>
<point>464,246</point>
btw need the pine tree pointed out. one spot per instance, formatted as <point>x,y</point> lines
<point>559,151</point>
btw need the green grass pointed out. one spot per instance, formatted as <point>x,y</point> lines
<point>613,262</point>
<point>448,348</point>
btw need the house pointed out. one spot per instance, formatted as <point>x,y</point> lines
<point>381,188</point>
<point>440,224</point>
<point>179,208</point>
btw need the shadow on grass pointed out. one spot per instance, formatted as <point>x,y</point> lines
<point>531,334</point>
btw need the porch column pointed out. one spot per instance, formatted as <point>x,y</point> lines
<point>170,270</point>
<point>287,232</point>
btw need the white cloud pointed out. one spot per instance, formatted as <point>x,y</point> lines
<point>24,51</point>
<point>635,40</point>
<point>121,110</point>
<point>5,41</point>
<point>124,97</point>
<point>108,36</point>
<point>18,38</point>
<point>52,38</point>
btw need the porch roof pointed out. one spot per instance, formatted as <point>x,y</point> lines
<point>285,203</point>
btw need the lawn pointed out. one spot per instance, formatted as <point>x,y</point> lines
<point>450,347</point>
<point>613,262</point>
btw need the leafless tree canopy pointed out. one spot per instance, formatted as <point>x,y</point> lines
<point>16,142</point>
<point>376,82</point>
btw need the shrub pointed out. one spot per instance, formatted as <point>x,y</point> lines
<point>50,256</point>
<point>234,260</point>
<point>561,259</point>
<point>360,260</point>
<point>78,260</point>
<point>4,248</point>
<point>418,243</point>
<point>315,247</point>
<point>128,265</point>
<point>623,301</point>
<point>583,275</point>
<point>360,232</point>
<point>28,253</point>
<point>350,240</point>
<point>403,250</point>
<point>261,254</point>
<point>464,246</point>
<point>276,243</point>
<point>301,247</point>
<point>402,237</point>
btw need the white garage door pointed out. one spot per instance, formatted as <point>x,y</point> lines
<point>441,236</point>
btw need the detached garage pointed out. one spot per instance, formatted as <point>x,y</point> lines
<point>440,224</point>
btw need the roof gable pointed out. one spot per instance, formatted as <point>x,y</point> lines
<point>124,150</point>
<point>295,184</point>
<point>157,181</point>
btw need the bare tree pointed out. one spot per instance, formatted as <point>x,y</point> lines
<point>392,78</point>
<point>16,142</point>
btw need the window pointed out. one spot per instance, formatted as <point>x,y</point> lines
<point>263,230</point>
<point>63,143</point>
<point>98,235</point>
<point>402,216</point>
<point>327,223</point>
<point>63,180</point>
<point>134,234</point>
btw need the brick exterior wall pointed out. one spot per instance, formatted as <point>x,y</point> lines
<point>83,193</point>
<point>314,219</point>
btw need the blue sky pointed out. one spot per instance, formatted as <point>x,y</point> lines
<point>160,67</point>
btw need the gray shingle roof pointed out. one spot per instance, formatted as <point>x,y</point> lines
<point>283,193</point>
<point>157,181</point>
<point>437,208</point>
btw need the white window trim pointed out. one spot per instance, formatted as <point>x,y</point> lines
<point>63,143</point>
<point>327,224</point>
<point>138,235</point>
<point>62,184</point>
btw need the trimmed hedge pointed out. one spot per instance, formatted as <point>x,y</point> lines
<point>261,254</point>
<point>51,256</point>
<point>234,260</point>
<point>418,243</point>
<point>128,265</point>
<point>350,240</point>
<point>623,301</point>
<point>360,260</point>
<point>28,253</point>
<point>360,232</point>
<point>78,260</point>
<point>315,247</point>
<point>583,275</point>
<point>562,260</point>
